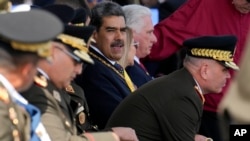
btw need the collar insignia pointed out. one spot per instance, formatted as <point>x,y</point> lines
<point>40,81</point>
<point>70,89</point>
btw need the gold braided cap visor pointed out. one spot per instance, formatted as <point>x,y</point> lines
<point>79,45</point>
<point>42,49</point>
<point>216,54</point>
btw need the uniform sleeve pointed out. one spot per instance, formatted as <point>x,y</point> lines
<point>6,132</point>
<point>57,128</point>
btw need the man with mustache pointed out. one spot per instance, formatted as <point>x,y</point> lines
<point>69,55</point>
<point>104,83</point>
<point>170,108</point>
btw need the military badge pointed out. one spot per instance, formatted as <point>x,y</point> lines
<point>70,89</point>
<point>40,81</point>
<point>81,117</point>
<point>57,95</point>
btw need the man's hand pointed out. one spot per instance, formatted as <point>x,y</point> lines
<point>202,138</point>
<point>125,133</point>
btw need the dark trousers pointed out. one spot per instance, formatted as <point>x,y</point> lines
<point>210,126</point>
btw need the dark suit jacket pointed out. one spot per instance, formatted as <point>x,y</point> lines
<point>138,75</point>
<point>104,89</point>
<point>165,109</point>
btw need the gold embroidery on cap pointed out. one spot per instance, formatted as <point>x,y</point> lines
<point>42,49</point>
<point>73,41</point>
<point>78,24</point>
<point>216,54</point>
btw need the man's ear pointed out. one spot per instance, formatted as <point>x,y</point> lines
<point>204,71</point>
<point>94,35</point>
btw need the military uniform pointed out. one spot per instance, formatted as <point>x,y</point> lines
<point>54,103</point>
<point>169,108</point>
<point>81,109</point>
<point>57,115</point>
<point>12,116</point>
<point>19,119</point>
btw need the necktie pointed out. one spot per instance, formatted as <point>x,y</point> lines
<point>119,68</point>
<point>143,67</point>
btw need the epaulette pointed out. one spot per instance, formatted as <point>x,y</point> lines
<point>4,96</point>
<point>70,89</point>
<point>40,81</point>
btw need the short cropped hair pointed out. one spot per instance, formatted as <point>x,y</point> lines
<point>104,9</point>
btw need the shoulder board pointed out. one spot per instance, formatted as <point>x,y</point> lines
<point>4,96</point>
<point>70,89</point>
<point>40,81</point>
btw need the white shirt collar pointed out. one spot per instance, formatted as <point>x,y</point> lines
<point>15,96</point>
<point>137,59</point>
<point>43,73</point>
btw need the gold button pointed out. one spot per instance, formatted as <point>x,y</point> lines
<point>67,123</point>
<point>15,133</point>
<point>15,121</point>
<point>12,113</point>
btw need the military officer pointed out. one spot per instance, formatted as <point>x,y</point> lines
<point>24,40</point>
<point>69,54</point>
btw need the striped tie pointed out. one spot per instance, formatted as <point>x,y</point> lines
<point>119,68</point>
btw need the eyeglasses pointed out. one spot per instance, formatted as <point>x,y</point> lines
<point>136,44</point>
<point>76,59</point>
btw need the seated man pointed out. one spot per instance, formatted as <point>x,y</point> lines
<point>69,54</point>
<point>104,83</point>
<point>25,39</point>
<point>170,108</point>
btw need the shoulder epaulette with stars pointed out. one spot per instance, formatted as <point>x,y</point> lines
<point>40,81</point>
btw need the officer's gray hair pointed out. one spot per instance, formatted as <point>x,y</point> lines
<point>192,60</point>
<point>5,59</point>
<point>134,14</point>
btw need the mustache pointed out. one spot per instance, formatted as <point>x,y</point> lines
<point>116,43</point>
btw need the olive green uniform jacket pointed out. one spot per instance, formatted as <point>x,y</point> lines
<point>14,120</point>
<point>57,115</point>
